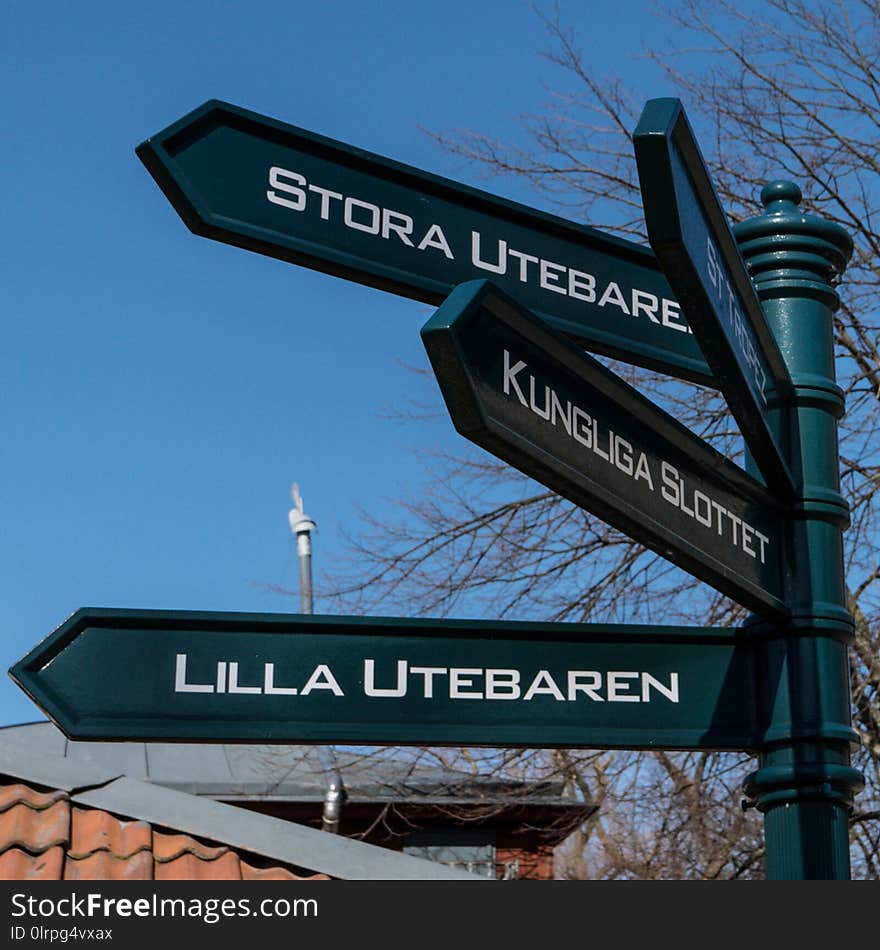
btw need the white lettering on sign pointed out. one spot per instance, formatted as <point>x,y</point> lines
<point>180,683</point>
<point>609,447</point>
<point>227,681</point>
<point>727,307</point>
<point>370,689</point>
<point>291,190</point>
<point>575,422</point>
<point>478,683</point>
<point>501,258</point>
<point>294,192</point>
<point>699,506</point>
<point>398,678</point>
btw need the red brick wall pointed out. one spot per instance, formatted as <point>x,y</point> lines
<point>533,858</point>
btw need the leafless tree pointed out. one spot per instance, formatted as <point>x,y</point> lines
<point>792,92</point>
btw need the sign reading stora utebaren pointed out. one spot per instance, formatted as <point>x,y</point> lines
<point>226,677</point>
<point>689,232</point>
<point>248,180</point>
<point>530,397</point>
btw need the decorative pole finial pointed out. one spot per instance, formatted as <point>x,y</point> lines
<point>805,784</point>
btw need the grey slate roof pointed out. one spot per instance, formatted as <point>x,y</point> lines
<point>91,785</point>
<point>238,772</point>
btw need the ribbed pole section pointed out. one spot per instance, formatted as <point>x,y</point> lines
<point>805,784</point>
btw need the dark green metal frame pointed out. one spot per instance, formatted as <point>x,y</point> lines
<point>680,200</point>
<point>506,430</point>
<point>792,661</point>
<point>805,785</point>
<point>196,175</point>
<point>107,675</point>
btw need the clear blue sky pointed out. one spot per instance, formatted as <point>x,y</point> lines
<point>161,392</point>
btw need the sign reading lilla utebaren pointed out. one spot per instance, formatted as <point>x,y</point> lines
<point>227,677</point>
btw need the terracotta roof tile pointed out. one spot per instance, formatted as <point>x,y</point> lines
<point>18,865</point>
<point>93,830</point>
<point>35,830</point>
<point>22,794</point>
<point>251,873</point>
<point>42,838</point>
<point>103,866</point>
<point>168,847</point>
<point>189,867</point>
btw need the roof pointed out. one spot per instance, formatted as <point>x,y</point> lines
<point>62,818</point>
<point>43,836</point>
<point>240,772</point>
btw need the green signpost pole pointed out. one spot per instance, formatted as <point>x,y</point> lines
<point>805,784</point>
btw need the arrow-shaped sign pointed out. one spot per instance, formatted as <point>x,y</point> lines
<point>530,397</point>
<point>248,180</point>
<point>689,233</point>
<point>225,677</point>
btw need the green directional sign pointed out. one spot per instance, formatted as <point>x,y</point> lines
<point>225,677</point>
<point>248,180</point>
<point>689,232</point>
<point>530,397</point>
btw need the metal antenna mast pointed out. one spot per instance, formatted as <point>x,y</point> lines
<point>302,526</point>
